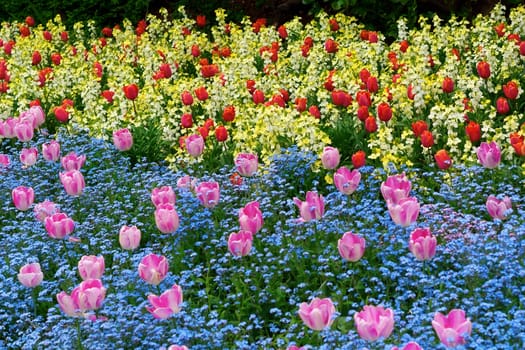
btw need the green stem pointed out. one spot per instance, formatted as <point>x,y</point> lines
<point>79,333</point>
<point>34,294</point>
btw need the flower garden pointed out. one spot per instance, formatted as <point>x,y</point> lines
<point>185,184</point>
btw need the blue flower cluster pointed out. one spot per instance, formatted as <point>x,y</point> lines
<point>251,302</point>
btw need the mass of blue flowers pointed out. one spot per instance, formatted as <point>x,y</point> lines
<point>252,302</point>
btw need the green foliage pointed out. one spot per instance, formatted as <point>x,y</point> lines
<point>148,143</point>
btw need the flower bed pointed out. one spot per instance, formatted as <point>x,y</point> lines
<point>309,247</point>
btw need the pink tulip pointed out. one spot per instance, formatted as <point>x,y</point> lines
<point>178,347</point>
<point>489,154</point>
<point>163,194</point>
<point>153,268</point>
<point>122,139</point>
<point>7,128</point>
<point>346,181</point>
<point>88,295</point>
<point>195,145</point>
<point>246,164</point>
<point>312,208</point>
<point>167,304</point>
<point>318,314</point>
<point>28,156</point>
<point>24,131</point>
<point>129,237</point>
<point>374,322</point>
<point>498,208</point>
<point>59,225</point>
<point>31,275</point>
<point>166,218</point>
<point>395,188</point>
<point>351,246</point>
<point>44,209</point>
<point>409,346</point>
<point>422,244</point>
<point>453,328</point>
<point>250,217</point>
<point>208,193</point>
<point>240,243</point>
<point>23,197</point>
<point>51,151</point>
<point>38,114</point>
<point>405,212</point>
<point>330,157</point>
<point>91,267</point>
<point>73,182</point>
<point>4,160</point>
<point>186,182</point>
<point>72,161</point>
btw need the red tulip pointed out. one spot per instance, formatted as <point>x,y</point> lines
<point>221,133</point>
<point>358,159</point>
<point>334,26</point>
<point>36,58</point>
<point>384,112</point>
<point>201,93</point>
<point>502,105</point>
<point>228,114</point>
<point>370,124</point>
<point>186,120</point>
<point>427,140</point>
<point>473,131</point>
<point>511,90</point>
<point>200,21</point>
<point>447,85</point>
<point>61,114</point>
<point>371,84</point>
<point>258,96</point>
<point>443,159</point>
<point>187,98</point>
<point>418,127</point>
<point>331,46</point>
<point>483,69</point>
<point>362,113</point>
<point>131,91</point>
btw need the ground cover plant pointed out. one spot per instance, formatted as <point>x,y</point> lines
<point>160,199</point>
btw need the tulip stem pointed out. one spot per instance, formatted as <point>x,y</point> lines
<point>79,333</point>
<point>34,295</point>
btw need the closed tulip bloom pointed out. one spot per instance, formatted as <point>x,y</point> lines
<point>404,212</point>
<point>396,187</point>
<point>473,131</point>
<point>187,98</point>
<point>167,304</point>
<point>72,161</point>
<point>44,209</point>
<point>162,195</point>
<point>483,69</point>
<point>246,164</point>
<point>194,145</point>
<point>422,244</point>
<point>7,127</point>
<point>511,90</point>
<point>38,114</point>
<point>59,225</point>
<point>443,160</point>
<point>24,130</point>
<point>427,139</point>
<point>51,151</point>
<point>452,329</point>
<point>28,156</point>
<point>330,157</point>
<point>73,182</point>
<point>89,294</point>
<point>30,275</point>
<point>129,237</point>
<point>374,322</point>
<point>489,154</point>
<point>318,314</point>
<point>153,268</point>
<point>312,208</point>
<point>91,267</point>
<point>347,181</point>
<point>240,243</point>
<point>208,193</point>
<point>447,85</point>
<point>123,139</point>
<point>351,247</point>
<point>502,105</point>
<point>250,217</point>
<point>166,218</point>
<point>384,112</point>
<point>131,91</point>
<point>498,208</point>
<point>23,197</point>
